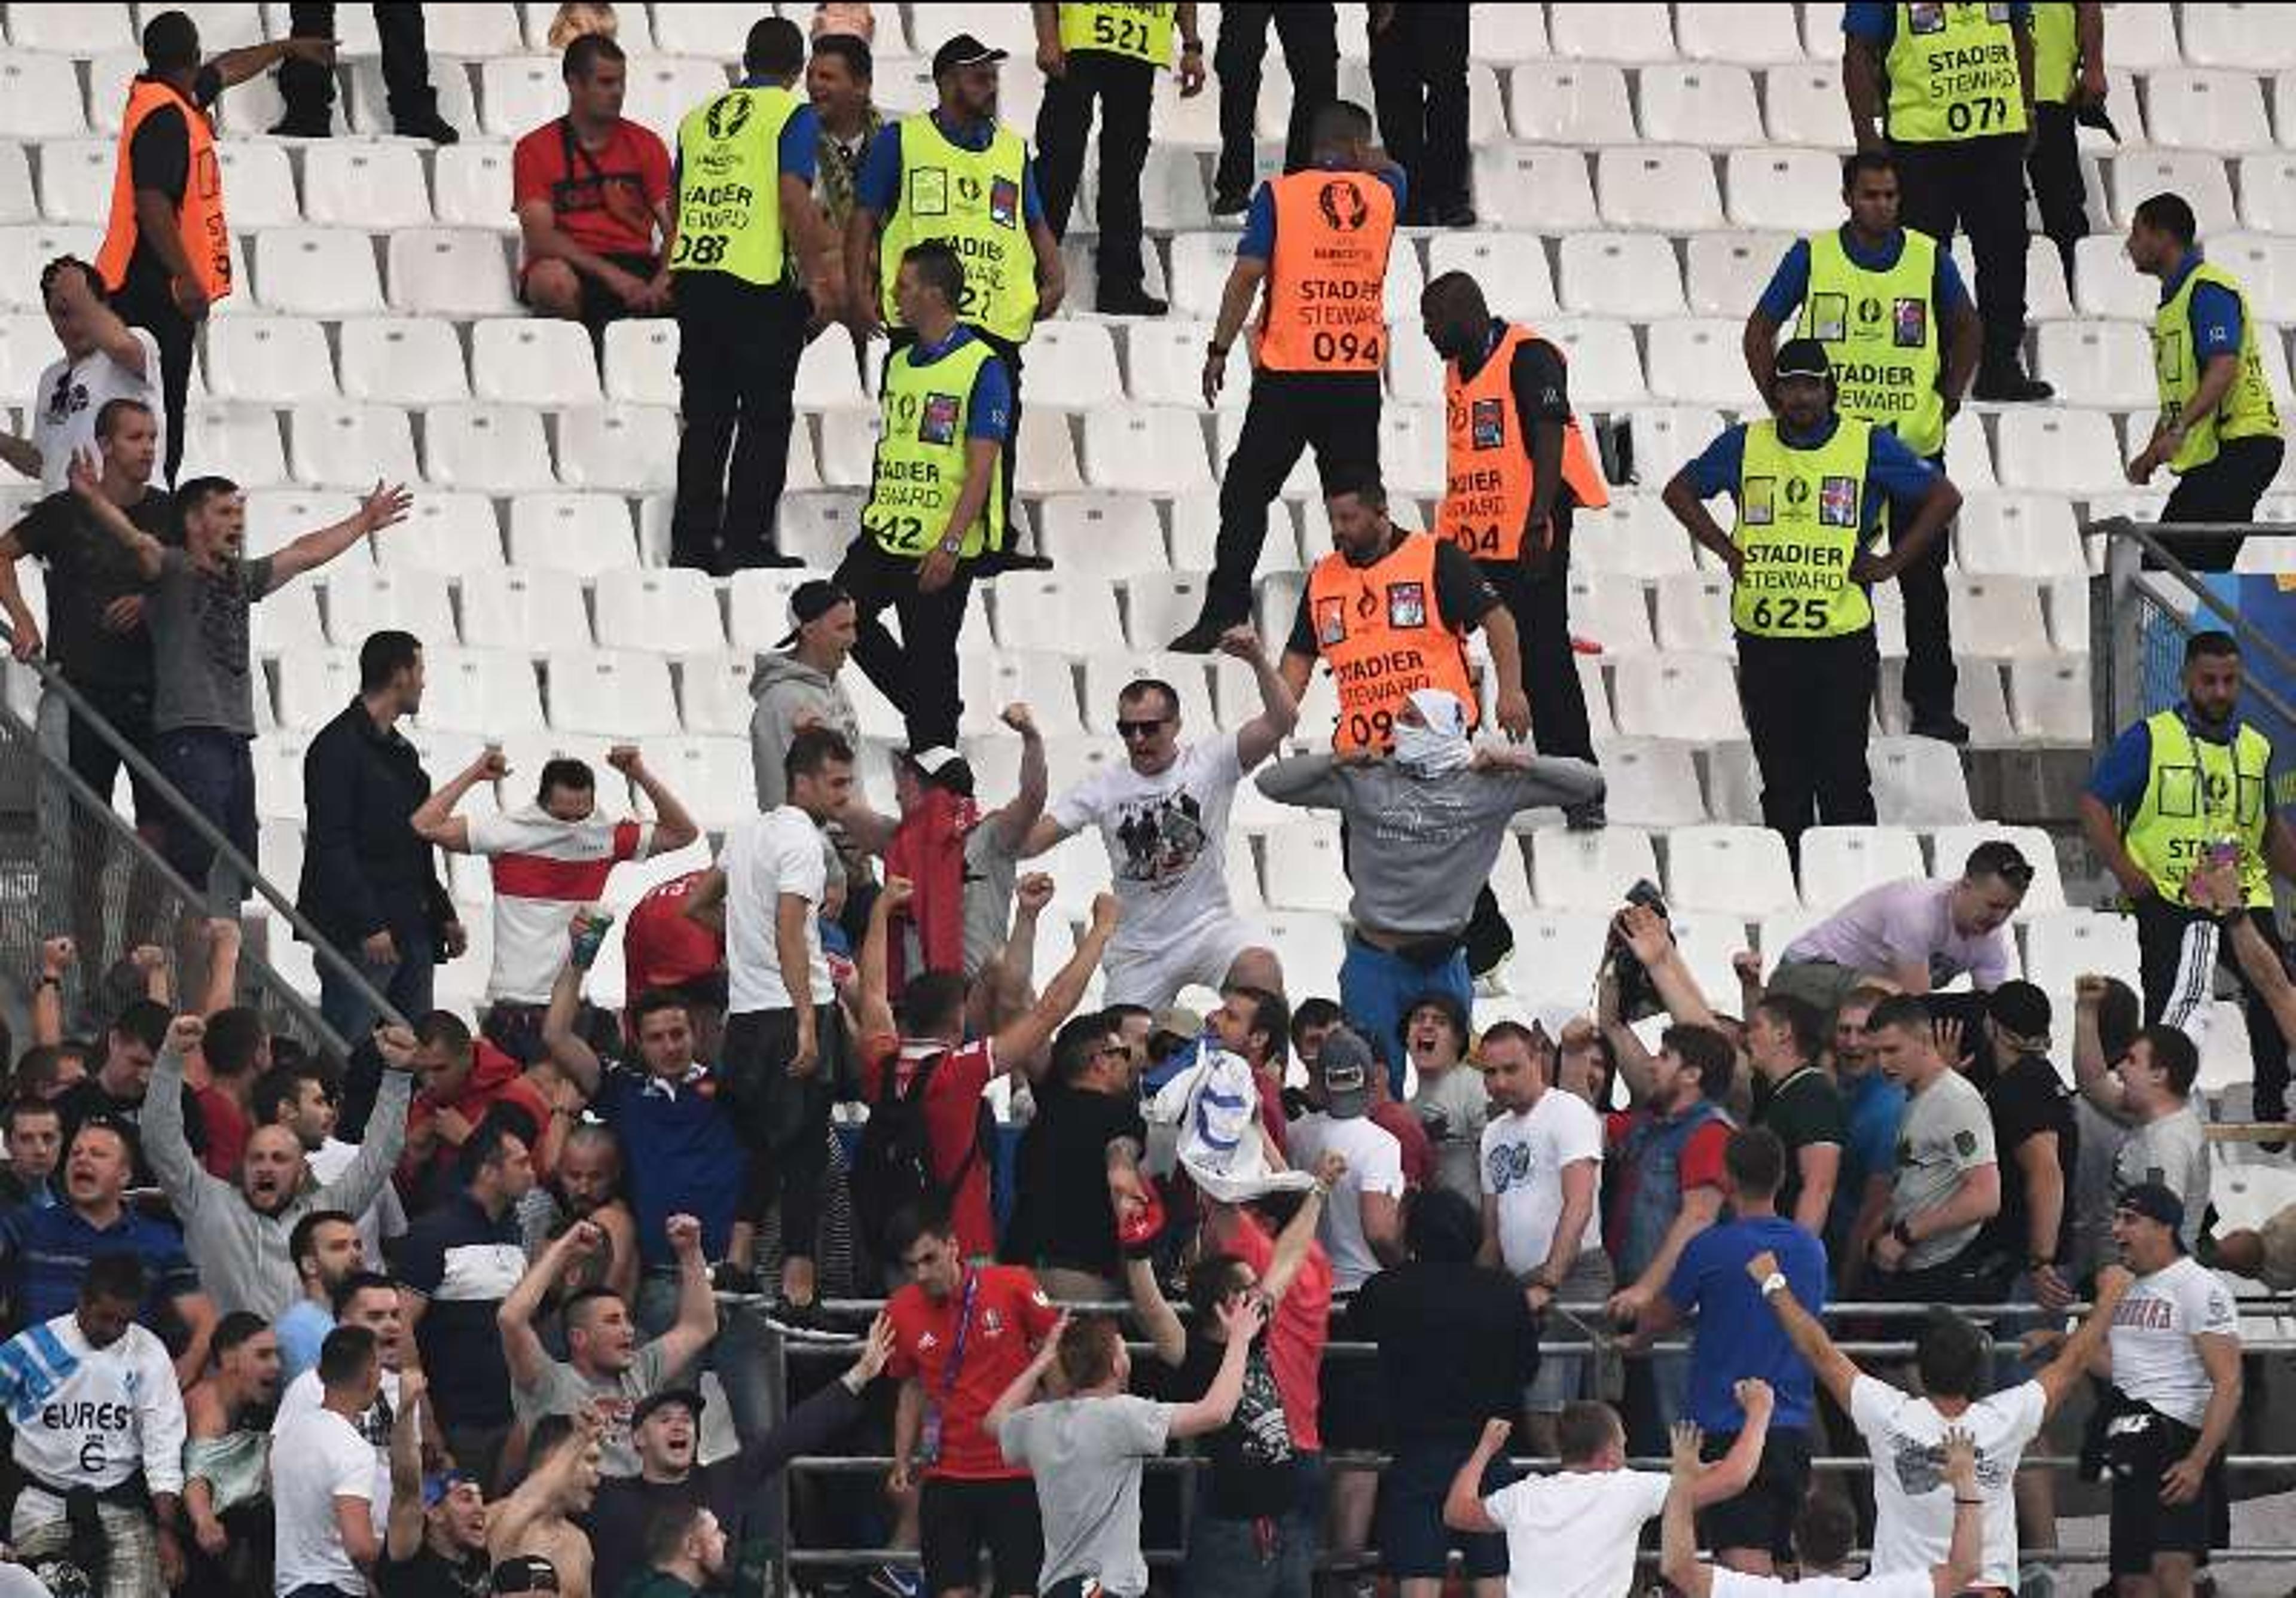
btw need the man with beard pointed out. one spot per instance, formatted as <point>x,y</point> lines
<point>534,1528</point>
<point>301,1097</point>
<point>585,1185</point>
<point>227,1494</point>
<point>369,1300</point>
<point>238,1235</point>
<point>685,1551</point>
<point>435,1545</point>
<point>325,1248</point>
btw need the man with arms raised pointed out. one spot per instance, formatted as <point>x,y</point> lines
<point>534,1529</point>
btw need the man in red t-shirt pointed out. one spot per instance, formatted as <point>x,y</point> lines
<point>666,949</point>
<point>592,191</point>
<point>961,1334</point>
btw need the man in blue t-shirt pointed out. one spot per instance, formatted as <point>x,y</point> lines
<point>1734,1336</point>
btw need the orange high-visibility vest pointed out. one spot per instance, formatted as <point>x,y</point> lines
<point>206,242</point>
<point>1324,302</point>
<point>1381,631</point>
<point>1487,484</point>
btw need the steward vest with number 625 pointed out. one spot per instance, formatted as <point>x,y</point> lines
<point>1879,331</point>
<point>1141,31</point>
<point>1382,630</point>
<point>2200,796</point>
<point>2246,411</point>
<point>206,242</point>
<point>920,465</point>
<point>971,200</point>
<point>729,191</point>
<point>1799,520</point>
<point>1324,308</point>
<point>1953,74</point>
<point>1488,481</point>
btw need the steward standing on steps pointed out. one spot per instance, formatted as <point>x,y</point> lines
<point>744,192</point>
<point>1888,306</point>
<point>1318,241</point>
<point>1811,486</point>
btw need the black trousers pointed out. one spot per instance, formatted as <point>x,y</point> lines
<point>1419,89</point>
<point>2160,948</point>
<point>1336,413</point>
<point>1310,38</point>
<point>2225,489</point>
<point>1978,185</point>
<point>784,1119</point>
<point>2054,166</point>
<point>308,89</point>
<point>918,673</point>
<point>1540,603</point>
<point>898,338</point>
<point>738,346</point>
<point>152,309</point>
<point>1807,701</point>
<point>1125,89</point>
<point>1931,678</point>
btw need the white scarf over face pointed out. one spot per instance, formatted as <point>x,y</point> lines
<point>1440,747</point>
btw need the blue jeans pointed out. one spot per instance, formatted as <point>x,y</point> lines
<point>406,984</point>
<point>1377,988</point>
<point>737,1354</point>
<point>215,772</point>
<point>1226,1560</point>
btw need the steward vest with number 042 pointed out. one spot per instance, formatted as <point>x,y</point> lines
<point>2201,796</point>
<point>1141,32</point>
<point>2246,411</point>
<point>1798,519</point>
<point>729,191</point>
<point>920,465</point>
<point>1382,630</point>
<point>1880,331</point>
<point>1489,481</point>
<point>1953,74</point>
<point>206,242</point>
<point>1324,306</point>
<point>972,201</point>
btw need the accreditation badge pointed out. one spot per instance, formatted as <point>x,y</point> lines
<point>1407,605</point>
<point>929,192</point>
<point>937,422</point>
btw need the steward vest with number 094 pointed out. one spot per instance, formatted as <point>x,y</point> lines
<point>970,200</point>
<point>1143,32</point>
<point>2246,411</point>
<point>1382,630</point>
<point>729,192</point>
<point>206,242</point>
<point>1488,481</point>
<point>1799,520</point>
<point>1879,331</point>
<point>920,465</point>
<point>1324,308</point>
<point>1953,74</point>
<point>2200,796</point>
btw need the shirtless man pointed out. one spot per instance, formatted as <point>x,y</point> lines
<point>536,1520</point>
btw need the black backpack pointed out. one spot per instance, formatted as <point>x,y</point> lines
<point>893,1165</point>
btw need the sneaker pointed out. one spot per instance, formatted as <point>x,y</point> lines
<point>1200,639</point>
<point>1132,301</point>
<point>996,562</point>
<point>1946,729</point>
<point>2008,383</point>
<point>1589,817</point>
<point>896,1581</point>
<point>429,125</point>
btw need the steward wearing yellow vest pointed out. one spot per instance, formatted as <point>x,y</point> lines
<point>2068,80</point>
<point>956,175</point>
<point>1952,85</point>
<point>936,501</point>
<point>743,193</point>
<point>1516,465</point>
<point>1811,488</point>
<point>2218,428</point>
<point>1314,254</point>
<point>1888,307</point>
<point>1109,50</point>
<point>2197,785</point>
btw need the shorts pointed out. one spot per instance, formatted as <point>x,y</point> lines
<point>1152,978</point>
<point>1413,1542</point>
<point>1762,1516</point>
<point>600,304</point>
<point>956,1520</point>
<point>2141,1445</point>
<point>1563,1362</point>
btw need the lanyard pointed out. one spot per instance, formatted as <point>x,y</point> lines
<point>963,1330</point>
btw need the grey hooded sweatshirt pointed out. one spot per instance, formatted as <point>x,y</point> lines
<point>787,691</point>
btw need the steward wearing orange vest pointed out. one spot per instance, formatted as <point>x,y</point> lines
<point>1516,467</point>
<point>1314,252</point>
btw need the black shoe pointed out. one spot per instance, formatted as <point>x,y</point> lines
<point>1946,729</point>
<point>2007,381</point>
<point>772,560</point>
<point>1200,639</point>
<point>1458,215</point>
<point>295,127</point>
<point>726,1277</point>
<point>1589,817</point>
<point>1130,301</point>
<point>996,562</point>
<point>1231,203</point>
<point>429,125</point>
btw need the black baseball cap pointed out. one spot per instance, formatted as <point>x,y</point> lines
<point>811,602</point>
<point>963,51</point>
<point>2020,1009</point>
<point>2155,1202</point>
<point>1803,357</point>
<point>689,1397</point>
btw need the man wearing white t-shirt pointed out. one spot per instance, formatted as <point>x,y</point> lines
<point>1913,1512</point>
<point>1573,1534</point>
<point>370,1301</point>
<point>103,359</point>
<point>1163,815</point>
<point>1542,1160</point>
<point>1361,1225</point>
<point>322,1477</point>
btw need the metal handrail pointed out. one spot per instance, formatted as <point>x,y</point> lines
<point>2124,573</point>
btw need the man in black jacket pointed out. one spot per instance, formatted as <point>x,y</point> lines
<point>369,885</point>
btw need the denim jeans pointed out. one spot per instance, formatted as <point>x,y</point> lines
<point>215,771</point>
<point>1225,1559</point>
<point>1376,987</point>
<point>406,984</point>
<point>737,1354</point>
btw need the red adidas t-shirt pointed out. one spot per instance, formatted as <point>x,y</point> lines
<point>1010,1316</point>
<point>951,1125</point>
<point>661,946</point>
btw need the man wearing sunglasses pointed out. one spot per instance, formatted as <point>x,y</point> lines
<point>1917,934</point>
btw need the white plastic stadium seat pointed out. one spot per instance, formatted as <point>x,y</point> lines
<point>366,103</point>
<point>1576,102</point>
<point>1606,372</point>
<point>1590,870</point>
<point>237,441</point>
<point>1511,266</point>
<point>1055,610</point>
<point>1754,35</point>
<point>1728,271</point>
<point>1918,782</point>
<point>76,179</point>
<point>2266,266</point>
<point>1706,104</point>
<point>76,30</point>
<point>713,689</point>
<point>1998,617</point>
<point>1556,953</point>
<point>1803,103</point>
<point>626,448</point>
<point>1658,185</point>
<point>2104,362</point>
<point>259,185</point>
<point>1504,33</point>
<point>1625,30</point>
<point>326,272</point>
<point>1305,868</point>
<point>1838,864</point>
<point>376,186</point>
<point>1102,534</point>
<point>489,692</point>
<point>1676,696</point>
<point>449,271</point>
<point>2049,698</point>
<point>641,361</point>
<point>584,534</point>
<point>518,94</point>
<point>1740,869</point>
<point>2062,947</point>
<point>2143,35</point>
<point>351,445</point>
<point>531,361</point>
<point>662,89</point>
<point>276,359</point>
<point>2201,109</point>
<point>650,608</point>
<point>1700,361</point>
<point>1654,782</point>
<point>316,682</point>
<point>1046,449</point>
<point>1787,189</point>
<point>494,447</point>
<point>1629,275</point>
<point>2104,284</point>
<point>471,185</point>
<point>402,360</point>
<point>446,532</point>
<point>2199,176</point>
<point>531,611</point>
<point>1694,612</point>
<point>610,693</point>
<point>1072,365</point>
<point>1667,438</point>
<point>1523,185</point>
<point>828,377</point>
<point>2058,451</point>
<point>2017,535</point>
<point>1164,361</point>
<point>1146,449</point>
<point>360,602</point>
<point>2251,36</point>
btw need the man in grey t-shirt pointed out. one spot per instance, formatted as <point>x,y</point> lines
<point>2147,1095</point>
<point>1948,1181</point>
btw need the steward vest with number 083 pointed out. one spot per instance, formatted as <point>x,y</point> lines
<point>206,242</point>
<point>1143,32</point>
<point>1953,74</point>
<point>2246,411</point>
<point>920,465</point>
<point>972,201</point>
<point>1382,630</point>
<point>729,192</point>
<point>1799,520</point>
<point>2201,796</point>
<point>1325,292</point>
<point>1489,481</point>
<point>1879,331</point>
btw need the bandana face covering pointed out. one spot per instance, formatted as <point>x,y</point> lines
<point>1439,747</point>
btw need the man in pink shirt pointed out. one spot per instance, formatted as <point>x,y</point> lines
<point>1916,935</point>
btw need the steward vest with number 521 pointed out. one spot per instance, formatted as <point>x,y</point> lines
<point>729,191</point>
<point>1953,74</point>
<point>973,201</point>
<point>1800,518</point>
<point>1325,295</point>
<point>1489,481</point>
<point>920,465</point>
<point>1141,31</point>
<point>1382,630</point>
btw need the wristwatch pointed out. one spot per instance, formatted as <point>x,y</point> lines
<point>1774,1283</point>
